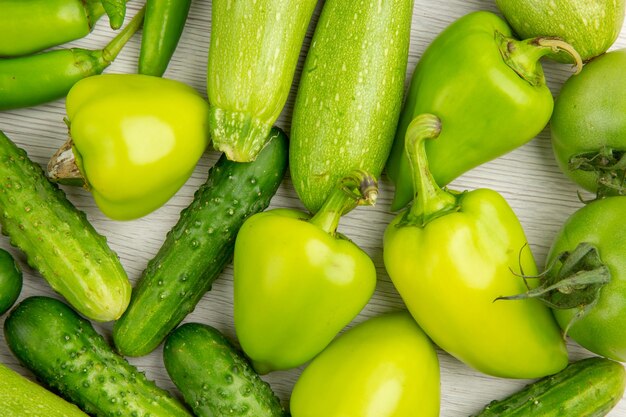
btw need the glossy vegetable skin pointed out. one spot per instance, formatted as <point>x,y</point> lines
<point>487,88</point>
<point>20,396</point>
<point>162,28</point>
<point>214,377</point>
<point>590,27</point>
<point>32,26</point>
<point>585,278</point>
<point>64,351</point>
<point>58,240</point>
<point>383,367</point>
<point>136,139</point>
<point>199,246</point>
<point>10,281</point>
<point>350,94</point>
<point>590,387</point>
<point>588,126</point>
<point>254,50</point>
<point>35,79</point>
<point>297,282</point>
<point>451,255</point>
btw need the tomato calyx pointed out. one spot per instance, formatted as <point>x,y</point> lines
<point>523,56</point>
<point>609,166</point>
<point>573,280</point>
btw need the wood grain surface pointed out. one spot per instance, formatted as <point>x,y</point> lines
<point>528,178</point>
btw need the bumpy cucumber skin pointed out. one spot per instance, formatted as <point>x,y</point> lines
<point>587,388</point>
<point>20,397</point>
<point>10,281</point>
<point>64,351</point>
<point>199,246</point>
<point>254,50</point>
<point>58,240</point>
<point>350,94</point>
<point>215,379</point>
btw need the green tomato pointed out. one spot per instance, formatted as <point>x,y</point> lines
<point>589,125</point>
<point>590,27</point>
<point>10,281</point>
<point>598,319</point>
<point>384,367</point>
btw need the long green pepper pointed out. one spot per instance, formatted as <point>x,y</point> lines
<point>36,79</point>
<point>162,28</point>
<point>31,26</point>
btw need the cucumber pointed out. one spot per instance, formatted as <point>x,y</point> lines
<point>587,388</point>
<point>64,351</point>
<point>350,94</point>
<point>214,377</point>
<point>58,240</point>
<point>254,50</point>
<point>199,246</point>
<point>10,281</point>
<point>20,397</point>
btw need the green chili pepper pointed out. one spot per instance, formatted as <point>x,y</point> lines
<point>34,25</point>
<point>297,281</point>
<point>116,10</point>
<point>135,140</point>
<point>163,25</point>
<point>36,79</point>
<point>488,89</point>
<point>451,255</point>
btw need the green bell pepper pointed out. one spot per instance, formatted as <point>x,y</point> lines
<point>297,282</point>
<point>383,367</point>
<point>135,140</point>
<point>451,255</point>
<point>488,89</point>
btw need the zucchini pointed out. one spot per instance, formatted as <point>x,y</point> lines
<point>350,94</point>
<point>10,281</point>
<point>64,351</point>
<point>199,246</point>
<point>588,388</point>
<point>57,238</point>
<point>214,377</point>
<point>20,397</point>
<point>254,50</point>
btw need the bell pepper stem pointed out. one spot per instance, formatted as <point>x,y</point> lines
<point>110,52</point>
<point>523,56</point>
<point>62,167</point>
<point>357,188</point>
<point>430,200</point>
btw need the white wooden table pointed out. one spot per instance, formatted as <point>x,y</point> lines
<point>528,178</point>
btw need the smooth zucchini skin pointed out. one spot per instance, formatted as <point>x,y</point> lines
<point>588,388</point>
<point>215,379</point>
<point>254,50</point>
<point>20,397</point>
<point>58,240</point>
<point>199,246</point>
<point>64,351</point>
<point>350,94</point>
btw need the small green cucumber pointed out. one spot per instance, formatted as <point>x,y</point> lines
<point>199,246</point>
<point>254,50</point>
<point>57,238</point>
<point>588,388</point>
<point>20,397</point>
<point>10,281</point>
<point>350,94</point>
<point>64,351</point>
<point>214,377</point>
